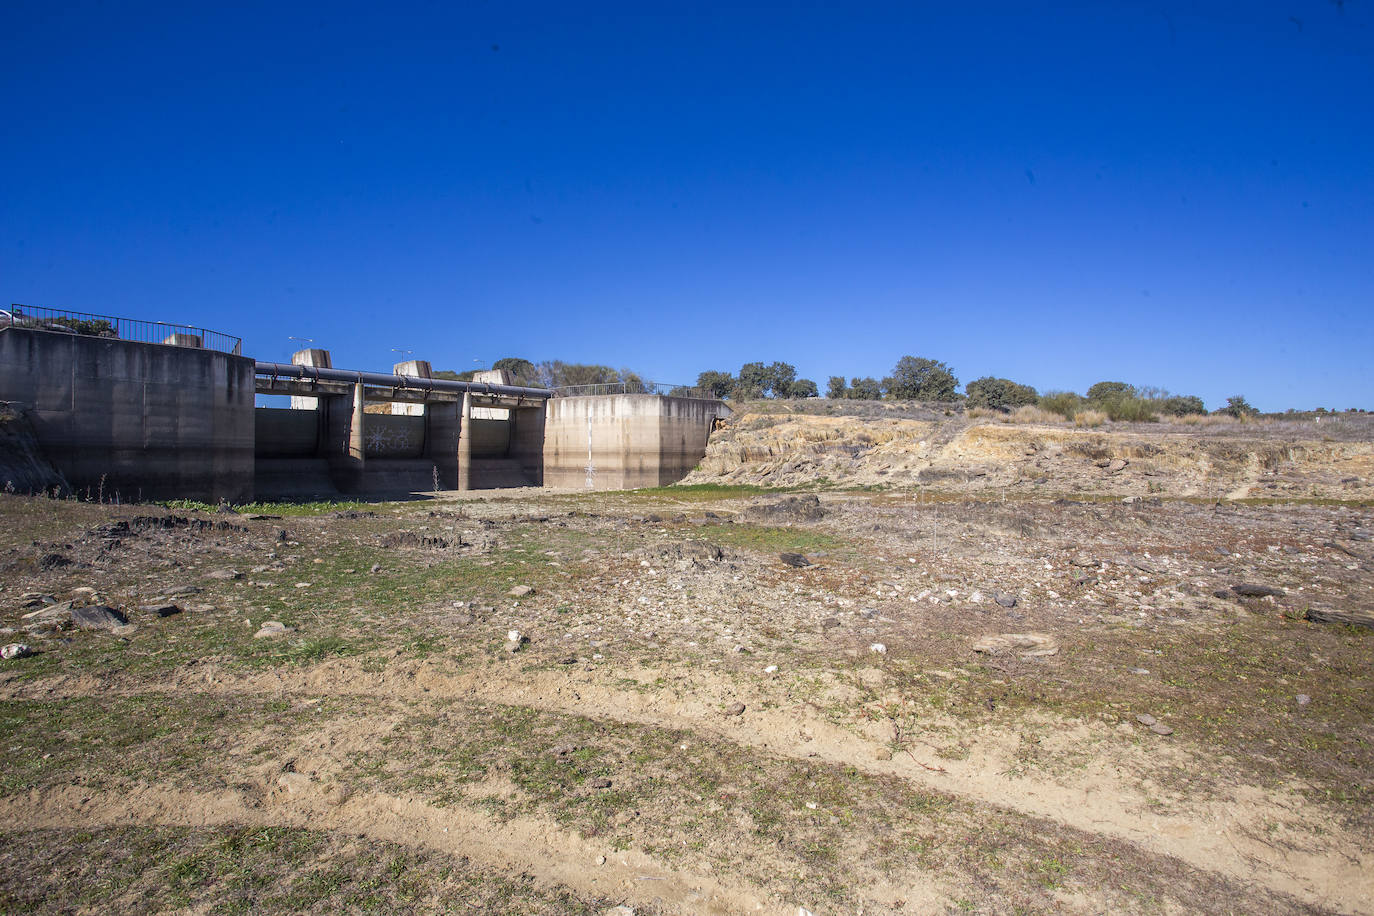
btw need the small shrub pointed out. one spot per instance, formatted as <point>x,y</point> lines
<point>1128,409</point>
<point>980,413</point>
<point>1064,403</point>
<point>1033,414</point>
<point>1090,418</point>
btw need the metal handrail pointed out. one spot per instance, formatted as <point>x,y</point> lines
<point>67,321</point>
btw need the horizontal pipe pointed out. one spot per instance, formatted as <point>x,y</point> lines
<point>382,379</point>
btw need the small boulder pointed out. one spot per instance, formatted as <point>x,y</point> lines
<point>97,617</point>
<point>521,591</point>
<point>16,650</point>
<point>735,709</point>
<point>272,629</point>
<point>794,559</point>
<point>224,575</point>
<point>1026,645</point>
<point>1146,719</point>
<point>1007,601</point>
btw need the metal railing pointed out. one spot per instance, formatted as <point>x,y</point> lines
<point>66,321</point>
<point>632,387</point>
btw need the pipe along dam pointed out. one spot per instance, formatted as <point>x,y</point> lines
<point>153,411</point>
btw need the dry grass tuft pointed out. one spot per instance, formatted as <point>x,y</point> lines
<point>1092,418</point>
<point>1033,414</point>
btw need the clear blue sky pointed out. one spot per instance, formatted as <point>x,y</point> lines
<point>1170,193</point>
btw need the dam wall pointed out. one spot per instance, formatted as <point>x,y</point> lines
<point>141,420</point>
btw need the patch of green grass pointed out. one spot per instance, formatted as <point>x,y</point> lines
<point>766,539</point>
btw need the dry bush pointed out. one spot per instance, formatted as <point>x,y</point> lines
<point>1032,414</point>
<point>1093,418</point>
<point>979,413</point>
<point>1197,419</point>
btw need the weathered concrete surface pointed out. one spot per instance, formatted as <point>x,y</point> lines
<point>418,368</point>
<point>624,441</point>
<point>317,358</point>
<point>151,421</point>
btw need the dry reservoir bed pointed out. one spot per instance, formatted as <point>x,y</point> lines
<point>572,703</point>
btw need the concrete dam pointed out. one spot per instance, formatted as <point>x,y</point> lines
<point>174,415</point>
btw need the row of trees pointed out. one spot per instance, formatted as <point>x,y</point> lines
<point>919,379</point>
<point>912,379</point>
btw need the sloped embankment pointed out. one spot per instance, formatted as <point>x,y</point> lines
<point>1236,460</point>
<point>23,469</point>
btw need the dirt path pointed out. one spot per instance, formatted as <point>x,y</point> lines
<point>524,845</point>
<point>1252,835</point>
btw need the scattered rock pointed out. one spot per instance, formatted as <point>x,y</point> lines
<point>272,629</point>
<point>563,750</point>
<point>1085,562</point>
<point>794,559</point>
<point>791,509</point>
<point>599,782</point>
<point>97,617</point>
<point>1303,699</point>
<point>51,561</point>
<point>160,610</point>
<point>177,591</point>
<point>830,623</point>
<point>1007,601</point>
<point>1117,465</point>
<point>376,568</point>
<point>1026,645</point>
<point>1146,719</point>
<point>882,753</point>
<point>1257,591</point>
<point>16,650</point>
<point>735,709</point>
<point>1159,728</point>
<point>224,574</point>
<point>514,640</point>
<point>878,648</point>
<point>521,591</point>
<point>1354,618</point>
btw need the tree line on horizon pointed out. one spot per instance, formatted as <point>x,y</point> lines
<point>913,378</point>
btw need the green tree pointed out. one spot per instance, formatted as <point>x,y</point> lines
<point>1105,390</point>
<point>803,388</point>
<point>632,381</point>
<point>522,370</point>
<point>836,388</point>
<point>1238,407</point>
<point>719,384</point>
<point>753,381</point>
<point>999,394</point>
<point>918,379</point>
<point>780,379</point>
<point>865,389</point>
<point>558,374</point>
<point>1182,405</point>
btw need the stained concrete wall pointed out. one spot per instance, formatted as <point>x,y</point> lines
<point>155,421</point>
<point>624,441</point>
